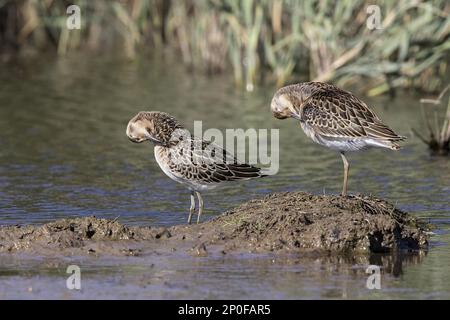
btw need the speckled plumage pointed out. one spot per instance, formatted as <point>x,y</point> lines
<point>198,164</point>
<point>334,118</point>
<point>336,114</point>
<point>190,162</point>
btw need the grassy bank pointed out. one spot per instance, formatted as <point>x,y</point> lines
<point>255,41</point>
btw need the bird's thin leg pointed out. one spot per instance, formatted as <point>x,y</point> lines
<point>346,166</point>
<point>192,208</point>
<point>200,206</point>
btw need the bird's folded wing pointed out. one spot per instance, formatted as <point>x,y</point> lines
<point>213,163</point>
<point>342,115</point>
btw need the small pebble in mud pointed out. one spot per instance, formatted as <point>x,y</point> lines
<point>165,234</point>
<point>199,250</point>
<point>131,252</point>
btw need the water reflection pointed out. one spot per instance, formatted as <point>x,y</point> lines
<point>176,276</point>
<point>64,153</point>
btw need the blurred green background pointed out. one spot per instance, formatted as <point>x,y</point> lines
<point>66,97</point>
<point>255,42</point>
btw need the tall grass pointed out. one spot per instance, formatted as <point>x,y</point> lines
<point>438,139</point>
<point>266,40</point>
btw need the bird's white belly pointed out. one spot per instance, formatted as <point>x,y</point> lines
<point>345,144</point>
<point>338,144</point>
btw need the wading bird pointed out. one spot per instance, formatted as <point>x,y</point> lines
<point>333,118</point>
<point>198,164</point>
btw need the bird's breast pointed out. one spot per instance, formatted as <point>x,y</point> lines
<point>165,162</point>
<point>310,132</point>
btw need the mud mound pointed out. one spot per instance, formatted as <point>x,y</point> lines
<point>297,220</point>
<point>293,221</point>
<point>70,233</point>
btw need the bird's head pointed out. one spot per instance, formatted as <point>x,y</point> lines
<point>282,105</point>
<point>157,127</point>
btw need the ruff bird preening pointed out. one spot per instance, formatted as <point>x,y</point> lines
<point>198,164</point>
<point>334,118</point>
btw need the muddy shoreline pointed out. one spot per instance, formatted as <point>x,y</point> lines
<point>280,222</point>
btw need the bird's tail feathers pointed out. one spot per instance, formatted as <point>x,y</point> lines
<point>388,143</point>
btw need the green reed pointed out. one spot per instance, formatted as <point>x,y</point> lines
<point>267,40</point>
<point>438,127</point>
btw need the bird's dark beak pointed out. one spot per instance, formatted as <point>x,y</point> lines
<point>147,138</point>
<point>154,140</point>
<point>280,115</point>
<point>136,140</point>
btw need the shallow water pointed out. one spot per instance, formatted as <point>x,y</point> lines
<point>64,153</point>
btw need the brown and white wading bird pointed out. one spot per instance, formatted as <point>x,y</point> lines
<point>198,164</point>
<point>333,118</point>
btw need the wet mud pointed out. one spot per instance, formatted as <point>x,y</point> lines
<point>281,222</point>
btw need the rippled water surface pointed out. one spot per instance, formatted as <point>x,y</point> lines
<point>64,153</point>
